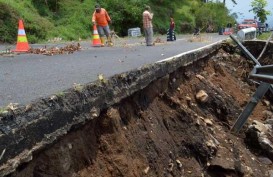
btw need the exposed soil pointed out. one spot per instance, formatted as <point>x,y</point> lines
<point>164,130</point>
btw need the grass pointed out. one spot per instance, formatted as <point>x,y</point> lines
<point>70,21</point>
<point>60,94</point>
<point>264,36</point>
<point>3,110</point>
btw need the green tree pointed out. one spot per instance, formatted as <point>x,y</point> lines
<point>234,15</point>
<point>258,8</point>
<point>214,15</point>
<point>71,19</point>
<point>124,15</point>
<point>224,1</point>
<point>8,23</point>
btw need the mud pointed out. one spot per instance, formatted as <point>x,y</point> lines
<point>177,125</point>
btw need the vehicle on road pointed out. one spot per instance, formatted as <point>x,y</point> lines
<point>248,23</point>
<point>228,31</point>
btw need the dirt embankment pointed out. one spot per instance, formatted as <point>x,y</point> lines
<point>179,125</point>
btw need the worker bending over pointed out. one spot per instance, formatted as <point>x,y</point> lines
<point>102,20</point>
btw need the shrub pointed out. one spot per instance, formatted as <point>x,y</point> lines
<point>8,23</point>
<point>186,27</point>
<point>71,19</point>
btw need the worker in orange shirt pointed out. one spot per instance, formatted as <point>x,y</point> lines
<point>102,19</point>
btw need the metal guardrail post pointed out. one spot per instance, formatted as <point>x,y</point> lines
<point>248,54</point>
<point>261,90</point>
<point>245,51</point>
<point>262,73</point>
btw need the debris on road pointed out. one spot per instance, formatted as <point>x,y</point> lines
<point>68,49</point>
<point>158,40</point>
<point>7,53</point>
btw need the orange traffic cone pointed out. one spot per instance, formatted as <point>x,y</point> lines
<point>96,37</point>
<point>22,44</point>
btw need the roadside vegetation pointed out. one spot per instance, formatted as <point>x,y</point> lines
<point>71,19</point>
<point>264,36</point>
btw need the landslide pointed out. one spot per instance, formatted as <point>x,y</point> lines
<point>177,126</point>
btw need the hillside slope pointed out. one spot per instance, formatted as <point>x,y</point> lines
<point>71,20</point>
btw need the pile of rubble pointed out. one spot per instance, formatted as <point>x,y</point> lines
<point>68,49</point>
<point>159,41</point>
<point>6,53</point>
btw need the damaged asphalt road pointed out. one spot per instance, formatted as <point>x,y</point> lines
<point>26,77</point>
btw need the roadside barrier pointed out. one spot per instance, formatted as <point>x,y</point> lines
<point>22,43</point>
<point>247,34</point>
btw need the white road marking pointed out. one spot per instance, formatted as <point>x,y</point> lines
<point>190,51</point>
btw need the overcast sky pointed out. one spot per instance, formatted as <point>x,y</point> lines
<point>243,7</point>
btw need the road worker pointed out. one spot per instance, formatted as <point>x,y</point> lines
<point>102,19</point>
<point>148,26</point>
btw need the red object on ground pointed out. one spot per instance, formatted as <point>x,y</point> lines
<point>228,31</point>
